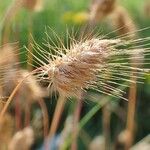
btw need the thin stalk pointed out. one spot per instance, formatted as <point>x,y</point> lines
<point>57,114</point>
<point>106,125</point>
<point>45,116</point>
<point>131,114</point>
<point>17,113</point>
<point>76,122</point>
<point>131,109</point>
<point>27,114</point>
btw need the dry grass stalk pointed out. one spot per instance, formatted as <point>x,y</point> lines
<point>106,125</point>
<point>76,118</point>
<point>45,117</point>
<point>56,117</point>
<point>65,134</point>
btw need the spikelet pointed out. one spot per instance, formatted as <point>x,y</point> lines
<point>100,9</point>
<point>8,68</point>
<point>123,23</point>
<point>7,56</point>
<point>22,140</point>
<point>33,5</point>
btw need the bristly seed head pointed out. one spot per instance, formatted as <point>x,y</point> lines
<point>77,69</point>
<point>103,65</point>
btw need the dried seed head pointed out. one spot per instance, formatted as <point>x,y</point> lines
<point>33,5</point>
<point>74,71</point>
<point>78,68</point>
<point>22,140</point>
<point>123,23</point>
<point>103,65</point>
<point>8,67</point>
<point>7,56</point>
<point>30,91</point>
<point>100,9</point>
<point>30,87</point>
<point>147,8</point>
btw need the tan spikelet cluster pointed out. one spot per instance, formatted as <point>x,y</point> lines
<point>8,60</point>
<point>118,15</point>
<point>22,140</point>
<point>7,56</point>
<point>77,69</point>
<point>123,23</point>
<point>30,91</point>
<point>101,8</point>
<point>6,130</point>
<point>10,75</point>
<point>33,5</point>
<point>30,87</point>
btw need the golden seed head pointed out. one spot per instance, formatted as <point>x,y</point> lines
<point>7,56</point>
<point>77,69</point>
<point>124,24</point>
<point>101,8</point>
<point>34,5</point>
<point>30,89</point>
